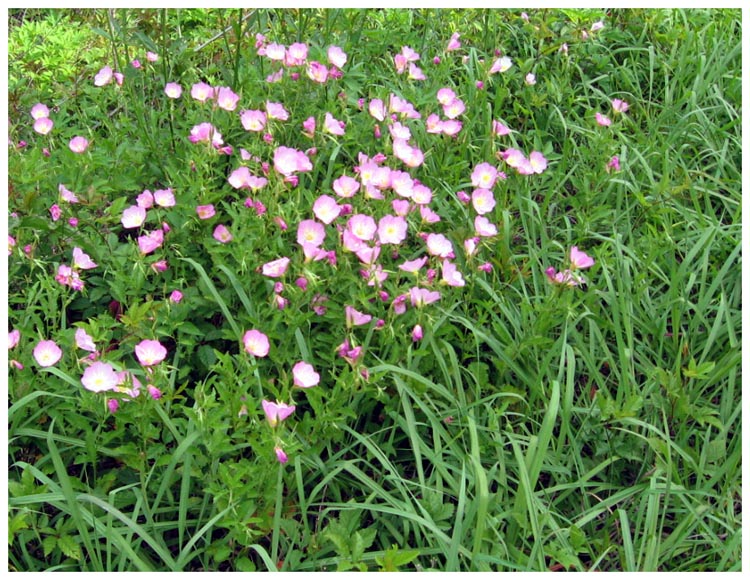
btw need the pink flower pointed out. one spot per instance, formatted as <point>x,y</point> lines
<point>451,127</point>
<point>453,43</point>
<point>392,229</point>
<point>206,132</point>
<point>308,127</point>
<point>439,245</point>
<point>276,412</point>
<point>205,211</point>
<point>614,164</point>
<point>415,73</point>
<point>287,161</point>
<point>66,194</point>
<point>317,72</point>
<point>598,25</point>
<point>336,56</point>
<point>454,108</point>
<point>150,352</point>
<point>580,260</point>
<point>451,276</point>
<point>253,120</point>
<point>499,128</point>
<point>145,199</point>
<point>202,92</point>
<point>602,120</point>
<point>277,111</point>
<point>537,162</point>
<point>81,260</point>
<point>417,334</point>
<point>377,109</point>
<point>620,106</point>
<point>175,296</point>
<point>47,353</point>
<point>332,125</point>
<point>304,375</point>
<point>501,65</point>
<point>153,392</point>
<point>413,266</point>
<point>276,268</point>
<point>222,234</point>
<point>55,212</point>
<point>421,296</point>
<point>484,227</point>
<point>99,377</point>
<point>281,455</point>
<point>483,201</point>
<point>78,144</point>
<point>103,77</point>
<point>566,277</point>
<point>160,266</point>
<point>362,226</point>
<point>13,337</point>
<point>484,176</point>
<point>310,233</point>
<point>133,217</point>
<point>150,241</point>
<point>445,96</point>
<point>433,124</point>
<point>256,343</point>
<point>39,111</point>
<point>530,79</point>
<point>226,98</point>
<point>355,317</point>
<point>326,209</point>
<point>43,125</point>
<point>241,177</point>
<point>164,197</point>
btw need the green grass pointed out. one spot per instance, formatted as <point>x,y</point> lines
<point>533,428</point>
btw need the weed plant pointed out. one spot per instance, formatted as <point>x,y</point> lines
<point>452,290</point>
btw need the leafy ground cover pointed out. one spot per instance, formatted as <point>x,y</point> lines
<point>450,290</point>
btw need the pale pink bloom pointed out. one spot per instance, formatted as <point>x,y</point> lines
<point>276,111</point>
<point>483,227</point>
<point>471,246</point>
<point>602,120</point>
<point>428,216</point>
<point>501,65</point>
<point>317,72</point>
<point>222,234</point>
<point>133,217</point>
<point>78,144</point>
<point>392,229</point>
<point>164,197</point>
<point>514,157</point>
<point>11,244</point>
<point>152,56</point>
<point>499,128</point>
<point>439,245</point>
<point>47,353</point>
<point>411,156</point>
<point>308,127</point>
<point>310,233</point>
<point>276,412</point>
<point>402,183</point>
<point>151,241</point>
<point>454,108</point>
<point>241,177</point>
<point>128,384</point>
<point>355,318</point>
<point>332,125</point>
<point>275,51</point>
<point>415,73</point>
<point>403,107</point>
<point>205,211</point>
<point>326,209</point>
<point>399,131</point>
<point>413,266</point>
<point>281,455</point>
<point>253,120</point>
<point>206,132</point>
<point>336,56</point>
<point>100,377</point>
<point>13,337</point>
<point>276,268</point>
<point>564,48</point>
<point>175,296</point>
<point>401,207</point>
<point>453,43</point>
<point>598,25</point>
<point>530,79</point>
<point>145,199</point>
<point>55,212</point>
<point>537,162</point>
<point>409,54</point>
<point>39,111</point>
<point>103,77</point>
<point>451,275</point>
<point>84,340</point>
<point>136,63</point>
<point>620,106</point>
<point>296,54</point>
<point>68,277</point>
<point>433,124</point>
<point>377,109</point>
<point>400,62</point>
<point>422,297</point>
<point>173,90</point>
<point>451,127</point>
<point>276,76</point>
<point>580,260</point>
<point>445,96</point>
<point>119,77</point>
<point>483,201</point>
<point>226,98</point>
<point>66,194</point>
<point>304,375</point>
<point>484,176</point>
<point>287,161</point>
<point>81,260</point>
<point>367,172</point>
<point>362,226</point>
<point>202,92</point>
<point>368,254</point>
<point>351,242</point>
<point>43,125</point>
<point>421,194</point>
<point>150,352</point>
<point>256,343</point>
<point>417,333</point>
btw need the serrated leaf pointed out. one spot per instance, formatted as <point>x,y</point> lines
<point>16,523</point>
<point>69,547</point>
<point>49,544</point>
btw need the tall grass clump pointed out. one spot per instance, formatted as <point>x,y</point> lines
<point>357,289</point>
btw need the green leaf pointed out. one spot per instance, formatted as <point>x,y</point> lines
<point>69,547</point>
